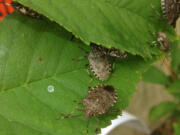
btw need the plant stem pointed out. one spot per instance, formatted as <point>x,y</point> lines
<point>168,66</point>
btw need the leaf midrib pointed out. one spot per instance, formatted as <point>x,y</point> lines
<point>45,78</point>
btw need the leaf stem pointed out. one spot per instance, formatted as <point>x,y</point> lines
<point>168,66</point>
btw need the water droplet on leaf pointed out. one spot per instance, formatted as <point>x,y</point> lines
<point>50,88</point>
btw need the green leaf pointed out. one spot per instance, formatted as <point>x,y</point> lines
<point>161,109</point>
<point>36,54</point>
<point>177,127</point>
<point>175,55</point>
<point>154,75</point>
<point>124,24</point>
<point>174,89</point>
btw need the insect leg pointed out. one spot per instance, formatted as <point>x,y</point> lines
<point>80,58</point>
<point>116,110</point>
<point>81,110</point>
<point>87,65</point>
<point>90,75</point>
<point>67,115</point>
<point>70,114</point>
<point>79,103</point>
<point>99,123</point>
<point>113,64</point>
<point>87,127</point>
<point>111,112</point>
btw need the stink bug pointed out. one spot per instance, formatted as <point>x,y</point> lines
<point>110,52</point>
<point>99,64</point>
<point>25,10</point>
<point>98,101</point>
<point>171,10</point>
<point>163,41</point>
<point>5,8</point>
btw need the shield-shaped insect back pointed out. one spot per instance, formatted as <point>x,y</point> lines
<point>99,64</point>
<point>171,10</point>
<point>99,60</point>
<point>98,101</point>
<point>21,9</point>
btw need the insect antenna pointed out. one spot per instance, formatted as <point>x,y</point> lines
<point>80,58</point>
<point>157,12</point>
<point>83,57</point>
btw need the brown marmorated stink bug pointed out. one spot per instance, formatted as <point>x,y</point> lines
<point>99,64</point>
<point>98,60</point>
<point>162,41</point>
<point>109,52</point>
<point>21,9</point>
<point>171,10</point>
<point>98,101</point>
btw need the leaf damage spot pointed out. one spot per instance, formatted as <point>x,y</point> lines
<point>40,59</point>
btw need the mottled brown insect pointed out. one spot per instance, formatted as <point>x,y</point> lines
<point>163,41</point>
<point>109,52</point>
<point>98,101</point>
<point>171,10</point>
<point>99,64</point>
<point>25,10</point>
